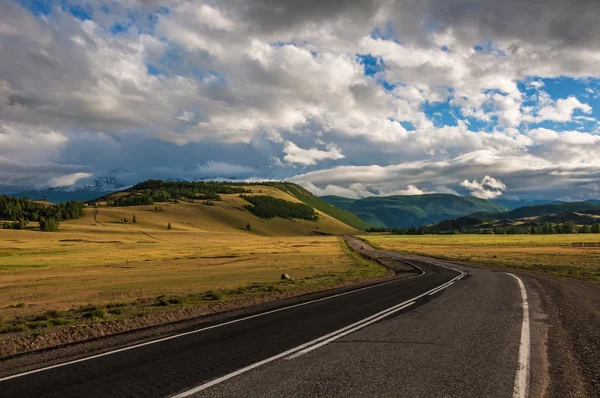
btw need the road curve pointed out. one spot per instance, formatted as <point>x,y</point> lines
<point>440,333</point>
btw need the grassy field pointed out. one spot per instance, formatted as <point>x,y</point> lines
<point>98,267</point>
<point>547,253</point>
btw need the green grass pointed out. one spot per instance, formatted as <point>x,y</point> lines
<point>315,202</point>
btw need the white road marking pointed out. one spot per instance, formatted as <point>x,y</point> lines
<point>337,336</point>
<point>308,346</point>
<point>318,340</point>
<point>441,288</point>
<point>522,378</point>
<point>201,329</point>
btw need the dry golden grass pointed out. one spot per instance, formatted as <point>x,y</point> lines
<point>98,259</point>
<point>547,253</point>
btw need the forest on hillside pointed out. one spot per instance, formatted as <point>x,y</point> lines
<point>268,207</point>
<point>21,211</point>
<point>148,192</point>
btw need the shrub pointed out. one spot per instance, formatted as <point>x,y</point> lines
<point>87,308</point>
<point>37,325</point>
<point>212,295</point>
<point>13,328</point>
<point>98,313</point>
<point>59,322</point>
<point>115,305</point>
<point>175,300</point>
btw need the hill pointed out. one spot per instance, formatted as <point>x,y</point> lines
<point>339,201</point>
<point>564,217</point>
<point>515,204</point>
<point>280,208</point>
<point>405,211</point>
<point>337,212</point>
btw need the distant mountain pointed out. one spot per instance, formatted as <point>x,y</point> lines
<point>542,210</point>
<point>515,204</point>
<point>412,210</point>
<point>99,186</point>
<point>523,218</point>
<point>338,201</point>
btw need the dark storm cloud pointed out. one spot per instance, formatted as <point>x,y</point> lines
<point>557,22</point>
<point>273,15</point>
<point>561,22</point>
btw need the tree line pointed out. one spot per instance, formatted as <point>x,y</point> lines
<point>543,229</point>
<point>21,211</point>
<point>164,191</point>
<point>268,207</point>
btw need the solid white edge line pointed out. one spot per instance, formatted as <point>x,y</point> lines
<point>441,288</point>
<point>205,328</point>
<point>347,332</point>
<point>522,377</point>
<point>238,372</point>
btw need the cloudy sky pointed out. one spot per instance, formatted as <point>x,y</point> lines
<point>491,98</point>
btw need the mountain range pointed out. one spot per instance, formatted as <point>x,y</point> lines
<point>403,211</point>
<point>523,219</point>
<point>98,187</point>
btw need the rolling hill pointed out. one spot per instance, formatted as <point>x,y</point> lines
<point>414,210</point>
<point>219,207</point>
<point>521,220</point>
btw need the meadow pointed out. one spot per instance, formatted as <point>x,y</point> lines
<point>545,253</point>
<point>99,267</point>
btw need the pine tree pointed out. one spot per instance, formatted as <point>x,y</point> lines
<point>169,226</point>
<point>585,229</point>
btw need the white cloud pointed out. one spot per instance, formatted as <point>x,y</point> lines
<point>409,190</point>
<point>223,169</point>
<point>593,186</point>
<point>562,110</point>
<point>67,180</point>
<point>240,80</point>
<point>308,157</point>
<point>536,84</point>
<point>355,191</point>
<point>487,188</point>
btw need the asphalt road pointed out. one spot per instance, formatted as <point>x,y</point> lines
<point>398,338</point>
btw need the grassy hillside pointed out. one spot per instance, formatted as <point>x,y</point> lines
<point>323,206</point>
<point>228,213</point>
<point>339,201</point>
<point>417,210</point>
